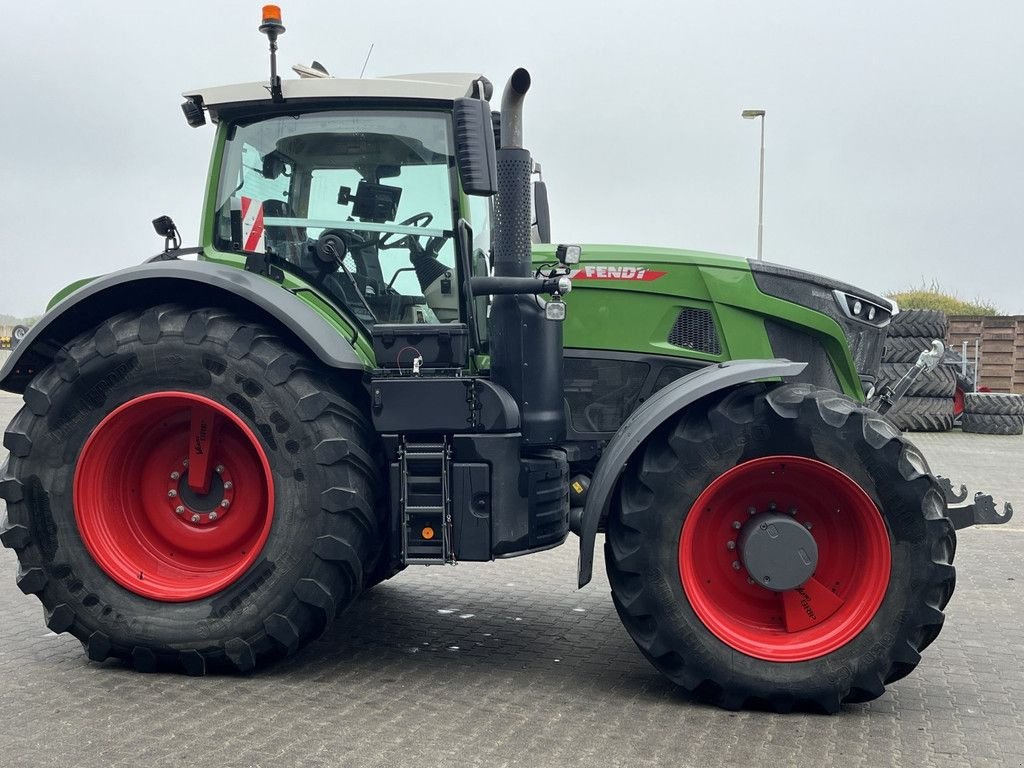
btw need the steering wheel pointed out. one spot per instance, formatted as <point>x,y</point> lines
<point>419,220</point>
<point>343,248</point>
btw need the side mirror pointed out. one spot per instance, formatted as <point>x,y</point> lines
<point>474,147</point>
<point>541,212</point>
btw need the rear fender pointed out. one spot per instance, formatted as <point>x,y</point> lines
<point>661,406</point>
<point>198,283</point>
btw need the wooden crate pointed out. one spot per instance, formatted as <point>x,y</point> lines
<point>1001,348</point>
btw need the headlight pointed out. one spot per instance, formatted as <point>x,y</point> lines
<point>862,310</point>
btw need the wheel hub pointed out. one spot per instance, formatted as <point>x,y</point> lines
<point>778,552</point>
<point>200,508</point>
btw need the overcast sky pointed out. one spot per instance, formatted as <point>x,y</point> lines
<point>894,130</point>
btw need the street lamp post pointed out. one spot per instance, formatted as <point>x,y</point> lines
<point>750,114</point>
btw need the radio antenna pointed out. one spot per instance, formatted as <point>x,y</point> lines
<point>367,61</point>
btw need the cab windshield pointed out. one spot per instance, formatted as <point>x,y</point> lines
<point>362,204</point>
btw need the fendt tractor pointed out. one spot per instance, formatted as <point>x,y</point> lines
<point>373,360</point>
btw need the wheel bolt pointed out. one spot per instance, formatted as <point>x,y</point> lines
<point>228,485</point>
<point>175,475</point>
<point>225,503</point>
<point>772,506</point>
<point>184,462</point>
<point>179,510</point>
<point>213,516</point>
<point>807,526</point>
<point>195,518</point>
<point>750,580</point>
<point>171,493</point>
<point>730,545</point>
<point>220,469</point>
<point>736,524</point>
<point>735,565</point>
<point>792,511</point>
<point>751,511</point>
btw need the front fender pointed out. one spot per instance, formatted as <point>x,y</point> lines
<point>199,283</point>
<point>646,419</point>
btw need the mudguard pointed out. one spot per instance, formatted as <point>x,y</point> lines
<point>202,282</point>
<point>645,420</point>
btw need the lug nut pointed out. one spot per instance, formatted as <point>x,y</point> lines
<point>175,475</point>
<point>736,524</point>
<point>171,493</point>
<point>228,485</point>
<point>220,469</point>
<point>179,510</point>
<point>792,511</point>
<point>225,503</point>
<point>750,580</point>
<point>735,565</point>
<point>807,526</point>
<point>751,510</point>
<point>772,506</point>
<point>213,516</point>
<point>195,518</point>
<point>184,462</point>
<point>730,545</point>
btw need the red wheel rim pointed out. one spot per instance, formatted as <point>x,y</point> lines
<point>958,401</point>
<point>140,503</point>
<point>830,608</point>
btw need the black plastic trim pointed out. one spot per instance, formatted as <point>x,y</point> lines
<point>199,283</point>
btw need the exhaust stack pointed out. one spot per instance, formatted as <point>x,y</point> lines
<point>526,350</point>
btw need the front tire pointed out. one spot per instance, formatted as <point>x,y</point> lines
<point>141,563</point>
<point>883,575</point>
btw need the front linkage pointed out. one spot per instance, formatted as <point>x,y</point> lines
<point>982,510</point>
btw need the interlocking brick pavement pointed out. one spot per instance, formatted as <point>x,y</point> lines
<point>506,664</point>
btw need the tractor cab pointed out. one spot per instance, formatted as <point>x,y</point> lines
<point>360,189</point>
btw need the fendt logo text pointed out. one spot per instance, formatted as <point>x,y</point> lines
<point>595,272</point>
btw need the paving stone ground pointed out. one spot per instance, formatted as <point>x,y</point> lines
<point>506,664</point>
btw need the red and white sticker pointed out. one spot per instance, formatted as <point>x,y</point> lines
<point>252,225</point>
<point>610,272</point>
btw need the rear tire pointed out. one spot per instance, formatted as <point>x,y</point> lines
<point>920,323</point>
<point>923,414</point>
<point>984,424</point>
<point>81,520</point>
<point>731,649</point>
<point>903,349</point>
<point>994,404</point>
<point>938,382</point>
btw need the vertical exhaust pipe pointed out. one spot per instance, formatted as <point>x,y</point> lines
<point>512,215</point>
<point>526,351</point>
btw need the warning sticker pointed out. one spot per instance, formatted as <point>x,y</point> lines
<point>252,225</point>
<point>609,272</point>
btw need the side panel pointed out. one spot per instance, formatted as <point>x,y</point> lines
<point>646,419</point>
<point>703,307</point>
<point>201,283</point>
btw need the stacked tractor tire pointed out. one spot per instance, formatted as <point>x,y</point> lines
<point>993,413</point>
<point>928,405</point>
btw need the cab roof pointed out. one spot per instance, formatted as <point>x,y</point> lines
<point>434,86</point>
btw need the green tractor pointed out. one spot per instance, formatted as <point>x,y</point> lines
<point>373,361</point>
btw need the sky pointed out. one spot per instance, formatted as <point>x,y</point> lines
<point>895,130</point>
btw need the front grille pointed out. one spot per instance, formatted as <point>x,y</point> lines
<point>695,329</point>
